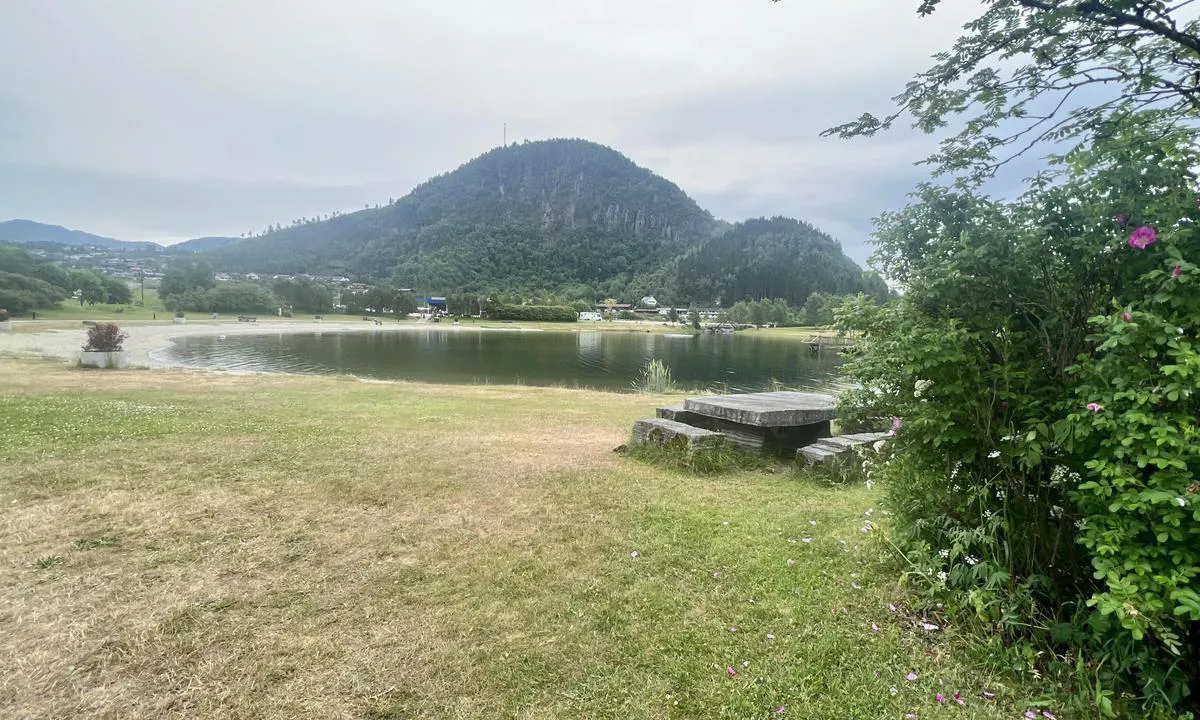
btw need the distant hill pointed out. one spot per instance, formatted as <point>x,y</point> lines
<point>775,258</point>
<point>203,243</point>
<point>28,231</point>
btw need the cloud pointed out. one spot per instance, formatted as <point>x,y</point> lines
<point>184,118</point>
<point>139,207</point>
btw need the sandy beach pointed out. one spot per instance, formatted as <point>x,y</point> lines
<point>146,341</point>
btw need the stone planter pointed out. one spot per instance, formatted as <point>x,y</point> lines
<point>115,360</point>
<point>6,326</point>
<point>181,321</point>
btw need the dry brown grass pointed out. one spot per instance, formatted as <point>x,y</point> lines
<point>276,547</point>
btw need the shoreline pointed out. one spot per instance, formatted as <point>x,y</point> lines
<point>146,343</point>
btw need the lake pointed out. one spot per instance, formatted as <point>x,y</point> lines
<point>600,360</point>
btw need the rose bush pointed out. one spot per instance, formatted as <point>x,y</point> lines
<point>1042,359</point>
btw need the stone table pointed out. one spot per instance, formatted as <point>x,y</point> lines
<point>761,422</point>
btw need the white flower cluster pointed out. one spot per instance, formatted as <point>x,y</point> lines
<point>128,408</point>
<point>921,387</point>
<point>1061,476</point>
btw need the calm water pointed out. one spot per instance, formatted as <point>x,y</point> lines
<point>609,361</point>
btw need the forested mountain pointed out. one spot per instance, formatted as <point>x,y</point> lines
<point>28,231</point>
<point>201,244</point>
<point>775,258</point>
<point>544,214</point>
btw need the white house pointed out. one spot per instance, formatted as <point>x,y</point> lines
<point>649,302</point>
<point>593,316</point>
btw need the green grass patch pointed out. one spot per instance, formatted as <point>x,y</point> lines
<point>718,459</point>
<point>279,547</point>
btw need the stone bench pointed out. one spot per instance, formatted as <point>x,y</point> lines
<point>660,431</point>
<point>833,449</point>
<point>678,414</point>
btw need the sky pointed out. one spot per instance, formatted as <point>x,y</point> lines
<point>174,119</point>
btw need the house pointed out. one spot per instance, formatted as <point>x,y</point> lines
<point>588,315</point>
<point>649,301</point>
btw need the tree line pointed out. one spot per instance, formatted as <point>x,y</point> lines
<point>190,285</point>
<point>28,283</point>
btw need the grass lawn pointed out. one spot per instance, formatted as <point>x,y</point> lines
<point>71,310</point>
<point>71,313</point>
<point>201,545</point>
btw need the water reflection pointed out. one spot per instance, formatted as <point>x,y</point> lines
<point>741,362</point>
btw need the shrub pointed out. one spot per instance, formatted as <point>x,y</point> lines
<point>532,313</point>
<point>105,337</point>
<point>3,315</point>
<point>1042,367</point>
<point>179,313</point>
<point>1135,429</point>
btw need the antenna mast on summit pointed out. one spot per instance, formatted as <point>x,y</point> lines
<point>505,134</point>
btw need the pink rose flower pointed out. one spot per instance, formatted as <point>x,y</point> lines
<point>1143,237</point>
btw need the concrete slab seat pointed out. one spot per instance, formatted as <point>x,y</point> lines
<point>835,449</point>
<point>660,431</point>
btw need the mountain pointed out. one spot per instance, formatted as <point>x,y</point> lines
<point>775,258</point>
<point>203,243</point>
<point>568,216</point>
<point>539,215</point>
<point>28,231</point>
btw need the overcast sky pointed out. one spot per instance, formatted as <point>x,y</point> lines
<point>169,119</point>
